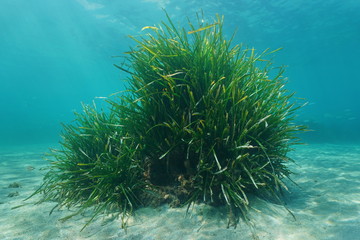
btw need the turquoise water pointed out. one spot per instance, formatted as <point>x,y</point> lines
<point>57,54</point>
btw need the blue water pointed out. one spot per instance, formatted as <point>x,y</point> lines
<point>56,54</point>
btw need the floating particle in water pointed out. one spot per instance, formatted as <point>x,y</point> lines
<point>30,168</point>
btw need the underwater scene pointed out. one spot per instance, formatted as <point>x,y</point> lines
<point>187,119</point>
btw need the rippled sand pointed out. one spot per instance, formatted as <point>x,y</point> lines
<point>326,205</point>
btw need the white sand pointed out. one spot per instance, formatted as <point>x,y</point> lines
<point>326,206</point>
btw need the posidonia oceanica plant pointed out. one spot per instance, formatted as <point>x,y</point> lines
<point>202,120</point>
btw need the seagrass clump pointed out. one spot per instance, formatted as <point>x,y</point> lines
<point>202,120</point>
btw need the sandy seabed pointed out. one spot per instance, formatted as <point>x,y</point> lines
<point>326,205</point>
